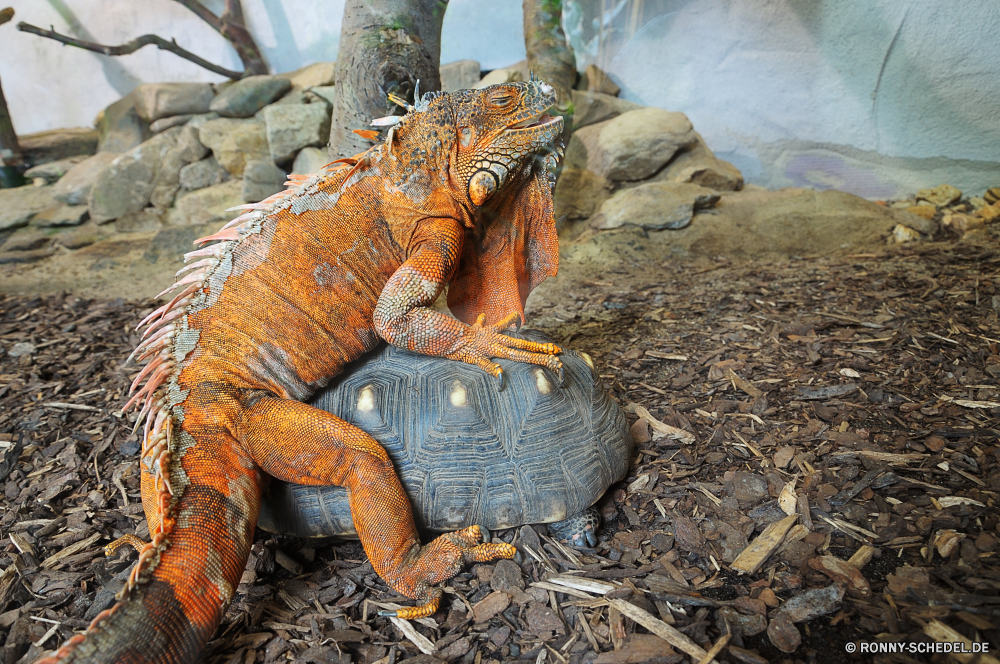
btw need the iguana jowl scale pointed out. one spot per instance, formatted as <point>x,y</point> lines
<point>459,193</point>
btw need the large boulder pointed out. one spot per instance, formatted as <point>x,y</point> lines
<point>235,142</point>
<point>293,127</point>
<point>20,204</point>
<point>206,205</point>
<point>654,206</point>
<point>459,75</point>
<point>262,179</point>
<point>162,100</point>
<point>310,160</point>
<point>245,97</point>
<point>631,146</point>
<point>127,183</point>
<point>698,165</point>
<point>593,107</point>
<point>579,193</point>
<point>74,187</point>
<point>56,144</point>
<point>201,174</point>
<point>120,127</point>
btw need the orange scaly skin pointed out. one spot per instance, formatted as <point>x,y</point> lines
<point>296,288</point>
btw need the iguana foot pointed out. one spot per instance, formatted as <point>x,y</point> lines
<point>125,540</point>
<point>488,341</point>
<point>439,561</point>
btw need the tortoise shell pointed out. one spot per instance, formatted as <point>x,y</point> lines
<point>468,453</point>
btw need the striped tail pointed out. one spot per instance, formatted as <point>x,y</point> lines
<point>186,576</point>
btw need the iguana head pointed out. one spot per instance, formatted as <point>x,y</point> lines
<point>501,130</point>
<point>505,154</point>
<point>494,150</point>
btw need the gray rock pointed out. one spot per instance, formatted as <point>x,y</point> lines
<point>579,193</point>
<point>169,245</point>
<point>926,227</point>
<point>247,96</point>
<point>655,206</point>
<point>80,237</point>
<point>201,174</point>
<point>593,107</point>
<point>120,126</point>
<point>810,604</point>
<point>127,183</point>
<point>168,178</point>
<point>189,142</point>
<point>164,124</point>
<point>26,240</point>
<point>74,187</point>
<point>631,146</point>
<point>459,75</point>
<point>319,73</point>
<point>200,119</point>
<point>261,179</point>
<point>595,79</point>
<point>20,204</point>
<point>147,219</point>
<point>235,142</point>
<point>188,149</point>
<point>56,144</point>
<point>162,100</point>
<point>324,92</point>
<point>310,160</point>
<point>52,171</point>
<point>63,215</point>
<point>206,205</point>
<point>291,128</point>
<point>697,165</point>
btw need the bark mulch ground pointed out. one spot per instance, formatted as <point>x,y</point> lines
<point>837,415</point>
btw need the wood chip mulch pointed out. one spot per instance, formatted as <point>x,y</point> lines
<point>817,465</point>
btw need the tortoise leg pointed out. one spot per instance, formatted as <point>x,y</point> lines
<point>579,530</point>
<point>298,443</point>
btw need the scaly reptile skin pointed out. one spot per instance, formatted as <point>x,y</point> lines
<point>297,287</point>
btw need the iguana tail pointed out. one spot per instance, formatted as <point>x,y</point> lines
<point>187,575</point>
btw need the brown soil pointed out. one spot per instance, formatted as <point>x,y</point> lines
<point>870,380</point>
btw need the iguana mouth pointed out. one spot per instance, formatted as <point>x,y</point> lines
<point>539,120</point>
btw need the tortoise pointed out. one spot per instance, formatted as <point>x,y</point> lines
<point>469,453</point>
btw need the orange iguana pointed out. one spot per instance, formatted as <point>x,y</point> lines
<point>458,193</point>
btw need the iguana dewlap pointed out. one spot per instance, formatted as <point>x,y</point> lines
<point>459,193</point>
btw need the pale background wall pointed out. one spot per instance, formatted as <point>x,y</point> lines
<point>878,97</point>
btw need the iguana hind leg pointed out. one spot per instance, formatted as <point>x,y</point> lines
<point>298,443</point>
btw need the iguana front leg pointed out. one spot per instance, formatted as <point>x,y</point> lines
<point>403,317</point>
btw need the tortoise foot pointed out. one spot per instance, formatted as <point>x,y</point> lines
<point>580,530</point>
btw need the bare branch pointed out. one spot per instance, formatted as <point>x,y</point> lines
<point>232,26</point>
<point>131,47</point>
<point>203,13</point>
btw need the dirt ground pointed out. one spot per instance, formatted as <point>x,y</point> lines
<point>857,393</point>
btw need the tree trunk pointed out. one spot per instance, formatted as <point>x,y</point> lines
<point>550,56</point>
<point>385,46</point>
<point>11,158</point>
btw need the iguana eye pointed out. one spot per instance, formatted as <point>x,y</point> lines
<point>502,98</point>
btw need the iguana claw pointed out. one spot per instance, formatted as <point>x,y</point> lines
<point>501,380</point>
